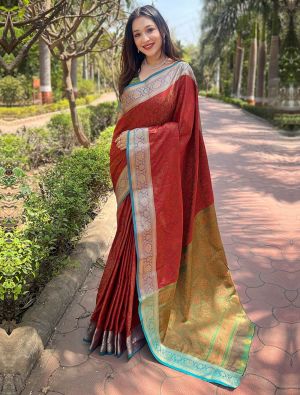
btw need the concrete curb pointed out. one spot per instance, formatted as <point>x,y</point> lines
<point>21,350</point>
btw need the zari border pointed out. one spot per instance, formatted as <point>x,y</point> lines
<point>143,214</point>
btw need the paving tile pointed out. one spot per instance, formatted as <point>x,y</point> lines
<point>257,263</point>
<point>69,320</point>
<point>251,384</point>
<point>71,350</point>
<point>93,278</point>
<point>187,385</point>
<point>142,379</point>
<point>274,365</point>
<point>285,336</point>
<point>296,302</point>
<point>245,276</point>
<point>268,251</point>
<point>288,392</point>
<point>117,364</point>
<point>269,293</point>
<point>292,252</point>
<point>148,359</point>
<point>291,295</point>
<point>241,290</point>
<point>89,300</point>
<point>256,344</point>
<point>289,281</point>
<point>260,313</point>
<point>232,261</point>
<point>286,265</point>
<point>241,250</point>
<point>289,314</point>
<point>85,379</point>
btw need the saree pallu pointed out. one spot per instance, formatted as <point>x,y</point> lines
<point>188,308</point>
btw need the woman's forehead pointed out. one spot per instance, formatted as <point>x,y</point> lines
<point>142,22</point>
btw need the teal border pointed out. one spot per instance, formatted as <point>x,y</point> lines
<point>152,75</point>
<point>235,377</point>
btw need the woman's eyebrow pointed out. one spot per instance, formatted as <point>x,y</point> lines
<point>137,30</point>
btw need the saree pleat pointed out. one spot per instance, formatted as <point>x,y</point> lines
<point>115,324</point>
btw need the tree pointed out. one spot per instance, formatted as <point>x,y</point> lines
<point>20,30</point>
<point>252,66</point>
<point>76,31</point>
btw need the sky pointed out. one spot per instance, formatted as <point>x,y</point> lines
<point>182,17</point>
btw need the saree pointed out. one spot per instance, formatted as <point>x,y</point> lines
<point>184,304</point>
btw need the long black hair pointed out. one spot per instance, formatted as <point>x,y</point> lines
<point>131,59</point>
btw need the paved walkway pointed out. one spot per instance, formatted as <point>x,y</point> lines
<point>43,119</point>
<point>255,173</point>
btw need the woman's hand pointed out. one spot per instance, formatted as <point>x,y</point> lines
<point>122,140</point>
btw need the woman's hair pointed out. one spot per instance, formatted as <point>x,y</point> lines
<point>131,59</point>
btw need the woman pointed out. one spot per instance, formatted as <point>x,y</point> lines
<point>166,279</point>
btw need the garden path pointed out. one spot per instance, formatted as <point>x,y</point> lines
<point>43,119</point>
<point>254,171</point>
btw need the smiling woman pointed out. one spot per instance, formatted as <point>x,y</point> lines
<point>166,280</point>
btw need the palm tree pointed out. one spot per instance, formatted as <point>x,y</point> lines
<point>45,65</point>
<point>273,79</point>
<point>238,67</point>
<point>252,66</point>
<point>262,55</point>
<point>45,72</point>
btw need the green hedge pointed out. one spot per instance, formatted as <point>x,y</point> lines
<point>38,109</point>
<point>288,121</point>
<point>54,218</point>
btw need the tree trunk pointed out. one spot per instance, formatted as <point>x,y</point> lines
<point>74,76</point>
<point>45,72</point>
<point>45,66</point>
<point>252,68</point>
<point>98,81</point>
<point>85,69</point>
<point>238,68</point>
<point>81,137</point>
<point>217,76</point>
<point>262,50</point>
<point>273,80</point>
<point>92,71</point>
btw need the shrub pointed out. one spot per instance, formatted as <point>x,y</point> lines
<point>13,151</point>
<point>61,128</point>
<point>85,87</point>
<point>12,90</point>
<point>102,115</point>
<point>289,122</point>
<point>41,147</point>
<point>17,263</point>
<point>54,218</point>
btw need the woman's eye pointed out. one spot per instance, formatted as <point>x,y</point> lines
<point>136,35</point>
<point>150,30</point>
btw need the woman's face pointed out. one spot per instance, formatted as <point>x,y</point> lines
<point>146,36</point>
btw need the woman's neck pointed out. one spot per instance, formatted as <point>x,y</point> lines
<point>155,59</point>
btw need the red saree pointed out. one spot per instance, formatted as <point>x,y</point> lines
<point>184,303</point>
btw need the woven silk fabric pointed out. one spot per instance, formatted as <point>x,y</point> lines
<point>189,309</point>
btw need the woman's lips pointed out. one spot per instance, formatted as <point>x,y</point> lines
<point>149,46</point>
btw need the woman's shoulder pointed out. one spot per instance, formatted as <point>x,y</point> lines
<point>185,68</point>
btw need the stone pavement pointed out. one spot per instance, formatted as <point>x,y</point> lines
<point>43,119</point>
<point>255,171</point>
